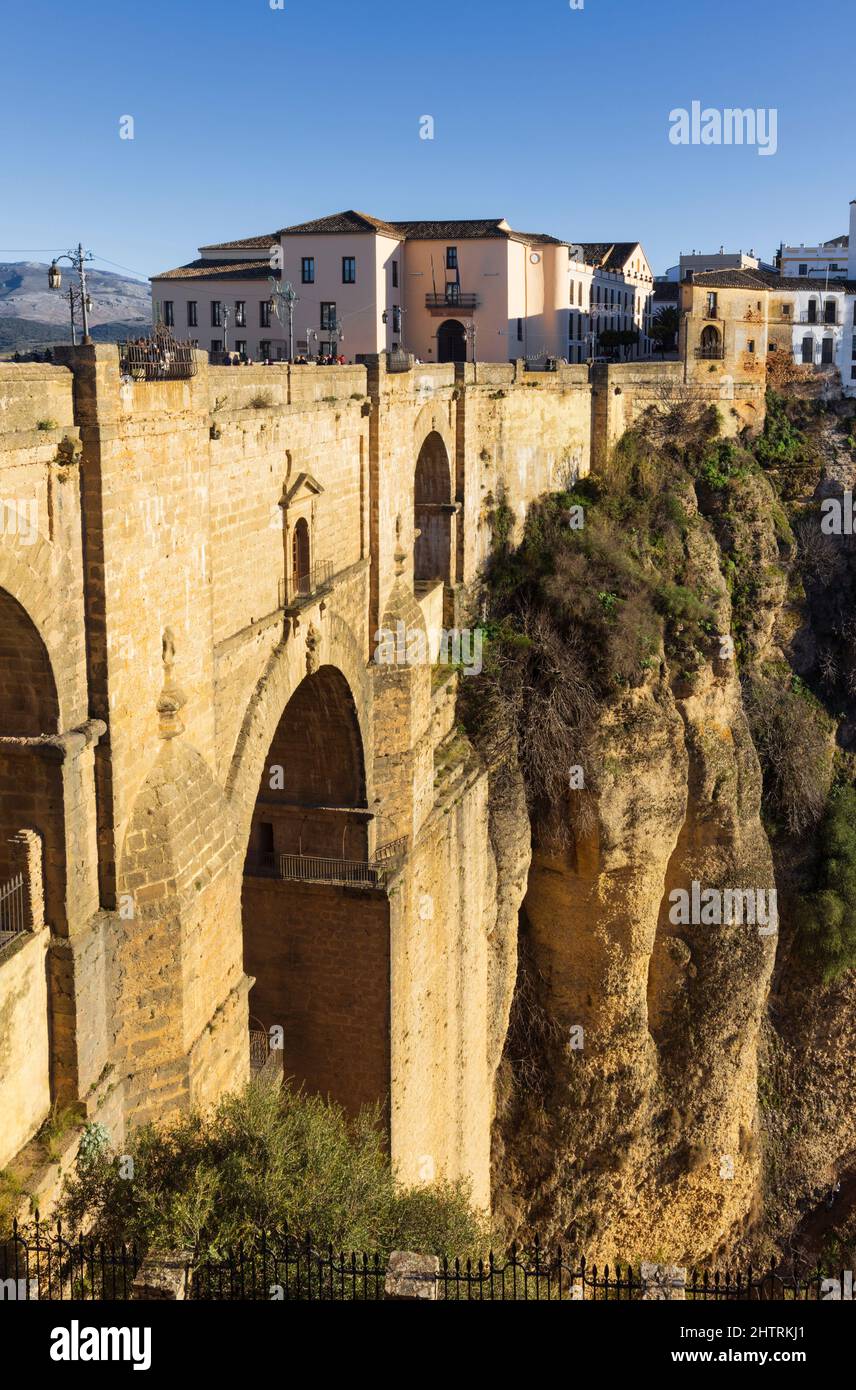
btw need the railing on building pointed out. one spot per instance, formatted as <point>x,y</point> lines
<point>13,920</point>
<point>303,586</point>
<point>451,299</point>
<point>157,358</point>
<point>818,321</point>
<point>314,868</point>
<point>710,354</point>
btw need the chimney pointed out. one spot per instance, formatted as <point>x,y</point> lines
<point>851,250</point>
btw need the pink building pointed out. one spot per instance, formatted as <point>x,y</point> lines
<point>442,290</point>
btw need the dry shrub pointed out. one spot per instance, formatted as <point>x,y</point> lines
<point>792,736</point>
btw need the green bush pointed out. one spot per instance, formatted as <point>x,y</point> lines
<point>264,1159</point>
<point>828,916</point>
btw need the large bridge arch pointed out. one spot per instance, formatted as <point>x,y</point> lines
<point>315,912</point>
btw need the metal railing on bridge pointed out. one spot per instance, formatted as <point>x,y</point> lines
<point>12,910</point>
<point>315,868</point>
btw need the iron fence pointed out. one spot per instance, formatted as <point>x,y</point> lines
<point>40,1263</point>
<point>302,586</point>
<point>278,1266</point>
<point>13,922</point>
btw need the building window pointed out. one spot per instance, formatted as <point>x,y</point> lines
<point>520,330</point>
<point>712,302</point>
<point>216,344</point>
<point>786,311</point>
<point>191,313</point>
<point>264,348</point>
<point>240,313</point>
<point>853,373</point>
<point>216,313</point>
<point>812,311</point>
<point>774,347</point>
<point>830,309</point>
<point>808,351</point>
<point>453,292</point>
<point>826,351</point>
<point>328,315</point>
<point>396,318</point>
<point>349,270</point>
<point>853,353</point>
<point>264,313</point>
<point>307,270</point>
<point>241,346</point>
<point>395,275</point>
<point>451,257</point>
<point>168,313</point>
<point>803,269</point>
<point>750,346</point>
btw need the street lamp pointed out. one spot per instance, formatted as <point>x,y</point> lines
<point>471,334</point>
<point>337,333</point>
<point>226,313</point>
<point>77,259</point>
<point>282,301</point>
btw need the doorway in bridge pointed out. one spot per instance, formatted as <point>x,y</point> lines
<point>315,913</point>
<point>434,514</point>
<point>31,786</point>
<point>451,342</point>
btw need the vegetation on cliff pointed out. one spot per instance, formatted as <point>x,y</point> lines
<point>692,566</point>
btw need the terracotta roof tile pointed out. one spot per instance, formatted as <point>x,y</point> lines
<point>218,270</point>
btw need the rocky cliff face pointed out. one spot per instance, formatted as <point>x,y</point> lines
<point>628,1104</point>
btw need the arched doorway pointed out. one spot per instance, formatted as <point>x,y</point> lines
<point>30,786</point>
<point>433,512</point>
<point>300,558</point>
<point>451,342</point>
<point>710,342</point>
<point>315,914</point>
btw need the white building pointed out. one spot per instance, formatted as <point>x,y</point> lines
<point>443,290</point>
<point>622,292</point>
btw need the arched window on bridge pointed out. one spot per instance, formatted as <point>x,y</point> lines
<point>301,568</point>
<point>434,512</point>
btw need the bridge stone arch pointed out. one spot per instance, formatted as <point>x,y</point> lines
<point>334,645</point>
<point>315,910</point>
<point>33,588</point>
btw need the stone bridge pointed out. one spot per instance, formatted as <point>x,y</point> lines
<point>220,810</point>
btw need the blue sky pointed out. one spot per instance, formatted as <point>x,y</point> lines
<point>248,118</point>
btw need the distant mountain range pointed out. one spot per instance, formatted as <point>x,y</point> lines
<point>34,316</point>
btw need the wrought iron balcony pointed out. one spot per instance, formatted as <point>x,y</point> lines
<point>305,586</point>
<point>819,322</point>
<point>313,868</point>
<point>452,300</point>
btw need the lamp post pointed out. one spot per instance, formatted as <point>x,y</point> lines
<point>337,333</point>
<point>226,313</point>
<point>310,334</point>
<point>471,334</point>
<point>77,259</point>
<point>282,301</point>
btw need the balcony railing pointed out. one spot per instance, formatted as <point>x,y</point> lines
<point>452,299</point>
<point>710,354</point>
<point>819,322</point>
<point>266,1062</point>
<point>12,910</point>
<point>157,358</point>
<point>711,314</point>
<point>304,586</point>
<point>312,868</point>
